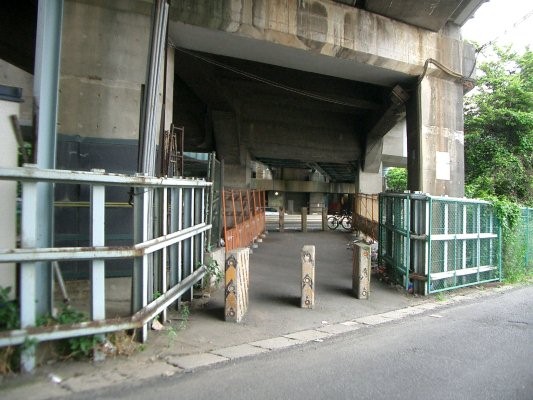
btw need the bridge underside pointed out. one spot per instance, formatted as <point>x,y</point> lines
<point>284,118</point>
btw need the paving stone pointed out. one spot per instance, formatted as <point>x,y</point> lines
<point>196,360</point>
<point>308,335</point>
<point>372,320</point>
<point>412,310</point>
<point>427,306</point>
<point>92,381</point>
<point>35,391</point>
<point>349,323</point>
<point>276,343</point>
<point>242,350</point>
<point>339,328</point>
<point>394,315</point>
<point>148,371</point>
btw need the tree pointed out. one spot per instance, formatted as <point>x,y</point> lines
<point>499,129</point>
<point>499,148</point>
<point>396,179</point>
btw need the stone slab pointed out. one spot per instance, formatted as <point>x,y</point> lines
<point>394,315</point>
<point>308,335</point>
<point>196,360</point>
<point>372,320</point>
<point>242,350</point>
<point>92,381</point>
<point>279,342</point>
<point>153,370</point>
<point>427,306</point>
<point>336,329</point>
<point>413,310</point>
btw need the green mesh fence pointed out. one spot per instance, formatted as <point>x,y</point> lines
<point>438,243</point>
<point>525,232</point>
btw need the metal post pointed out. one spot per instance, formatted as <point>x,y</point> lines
<point>175,218</point>
<point>164,255</point>
<point>98,266</point>
<point>28,273</point>
<point>140,266</point>
<point>187,243</point>
<point>45,87</point>
<point>304,219</point>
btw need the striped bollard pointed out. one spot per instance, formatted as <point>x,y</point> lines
<point>361,271</point>
<point>308,276</point>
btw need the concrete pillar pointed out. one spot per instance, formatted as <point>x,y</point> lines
<point>102,70</point>
<point>316,202</point>
<point>308,276</point>
<point>435,138</point>
<point>324,218</point>
<point>370,183</point>
<point>304,219</point>
<point>361,271</point>
<point>9,105</point>
<point>282,219</point>
<point>236,283</point>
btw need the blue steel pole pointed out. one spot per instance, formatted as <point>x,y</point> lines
<point>46,84</point>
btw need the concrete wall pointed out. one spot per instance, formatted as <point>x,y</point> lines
<point>8,190</point>
<point>13,76</point>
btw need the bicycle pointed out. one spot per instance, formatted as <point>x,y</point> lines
<point>344,220</point>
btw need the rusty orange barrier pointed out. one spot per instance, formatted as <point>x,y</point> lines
<point>243,217</point>
<point>366,216</point>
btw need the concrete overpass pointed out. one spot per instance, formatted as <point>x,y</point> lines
<point>310,86</point>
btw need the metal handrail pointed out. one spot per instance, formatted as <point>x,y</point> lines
<point>183,192</point>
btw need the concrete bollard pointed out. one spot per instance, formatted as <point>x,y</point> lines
<point>237,281</point>
<point>308,276</point>
<point>361,270</point>
<point>304,219</point>
<point>281,219</point>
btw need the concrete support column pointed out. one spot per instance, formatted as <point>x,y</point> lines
<point>435,138</point>
<point>103,69</point>
<point>308,276</point>
<point>304,219</point>
<point>370,182</point>
<point>316,202</point>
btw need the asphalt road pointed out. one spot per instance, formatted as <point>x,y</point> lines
<point>480,349</point>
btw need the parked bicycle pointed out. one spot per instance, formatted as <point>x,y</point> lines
<point>344,220</point>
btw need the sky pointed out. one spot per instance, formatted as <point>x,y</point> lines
<point>499,19</point>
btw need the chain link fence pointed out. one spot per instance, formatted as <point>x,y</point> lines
<point>432,244</point>
<point>525,234</point>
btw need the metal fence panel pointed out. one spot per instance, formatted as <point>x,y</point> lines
<point>188,229</point>
<point>438,243</point>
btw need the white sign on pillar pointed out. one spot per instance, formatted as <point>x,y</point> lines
<point>443,166</point>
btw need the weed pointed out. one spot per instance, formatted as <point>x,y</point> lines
<point>172,334</point>
<point>9,319</point>
<point>77,347</point>
<point>9,311</point>
<point>185,312</point>
<point>213,276</point>
<point>440,297</point>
